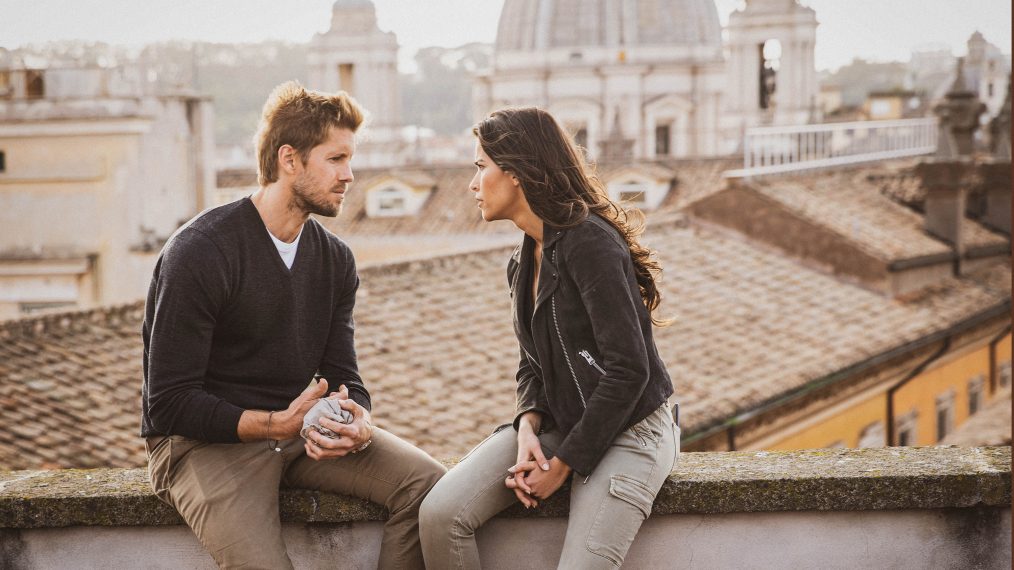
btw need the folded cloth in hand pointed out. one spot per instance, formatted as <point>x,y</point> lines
<point>324,408</point>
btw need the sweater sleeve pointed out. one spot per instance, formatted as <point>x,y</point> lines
<point>188,289</point>
<point>339,365</point>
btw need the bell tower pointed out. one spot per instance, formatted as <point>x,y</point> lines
<point>771,73</point>
<point>355,56</point>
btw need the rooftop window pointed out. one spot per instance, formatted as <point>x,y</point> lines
<point>400,197</point>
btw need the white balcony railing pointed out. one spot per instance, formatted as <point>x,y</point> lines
<point>775,150</point>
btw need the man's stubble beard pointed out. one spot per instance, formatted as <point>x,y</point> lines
<point>303,199</point>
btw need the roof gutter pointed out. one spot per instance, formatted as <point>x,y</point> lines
<point>891,435</point>
<point>848,372</point>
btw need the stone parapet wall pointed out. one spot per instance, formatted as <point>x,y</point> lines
<point>890,507</point>
<point>702,483</point>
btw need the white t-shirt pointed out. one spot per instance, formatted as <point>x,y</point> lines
<point>287,250</point>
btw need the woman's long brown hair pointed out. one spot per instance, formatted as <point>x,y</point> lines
<point>529,144</point>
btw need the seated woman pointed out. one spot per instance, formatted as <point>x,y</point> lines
<point>591,389</point>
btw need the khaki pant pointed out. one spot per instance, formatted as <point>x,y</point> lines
<point>228,493</point>
<point>606,511</point>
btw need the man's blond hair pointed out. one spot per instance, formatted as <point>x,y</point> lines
<point>301,119</point>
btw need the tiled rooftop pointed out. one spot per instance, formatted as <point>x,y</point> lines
<point>437,350</point>
<point>850,203</point>
<point>70,390</point>
<point>436,346</point>
<point>447,212</point>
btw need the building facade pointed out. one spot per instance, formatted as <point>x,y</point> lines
<point>97,167</point>
<point>355,56</point>
<point>654,73</point>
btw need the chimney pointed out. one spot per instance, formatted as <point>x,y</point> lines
<point>959,117</point>
<point>946,185</point>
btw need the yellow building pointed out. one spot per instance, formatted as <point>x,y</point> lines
<point>925,407</point>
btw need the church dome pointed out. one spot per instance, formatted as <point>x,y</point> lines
<point>537,25</point>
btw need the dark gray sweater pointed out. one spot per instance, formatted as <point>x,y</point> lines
<point>227,327</point>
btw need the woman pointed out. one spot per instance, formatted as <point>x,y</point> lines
<point>592,391</point>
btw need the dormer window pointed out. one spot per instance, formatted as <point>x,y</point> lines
<point>402,194</point>
<point>643,187</point>
<point>631,192</point>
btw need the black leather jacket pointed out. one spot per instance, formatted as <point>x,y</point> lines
<point>590,365</point>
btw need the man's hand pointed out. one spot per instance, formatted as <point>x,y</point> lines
<point>351,437</point>
<point>284,424</point>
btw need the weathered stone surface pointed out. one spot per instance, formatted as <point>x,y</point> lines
<point>702,483</point>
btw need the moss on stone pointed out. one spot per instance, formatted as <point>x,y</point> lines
<point>727,482</point>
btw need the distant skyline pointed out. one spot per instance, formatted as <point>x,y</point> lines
<point>877,30</point>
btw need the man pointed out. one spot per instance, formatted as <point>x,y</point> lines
<point>247,303</point>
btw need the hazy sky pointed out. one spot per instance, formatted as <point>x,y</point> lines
<point>872,29</point>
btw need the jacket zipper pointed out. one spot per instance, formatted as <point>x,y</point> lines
<point>563,346</point>
<point>591,360</point>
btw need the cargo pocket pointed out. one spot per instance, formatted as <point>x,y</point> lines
<point>619,518</point>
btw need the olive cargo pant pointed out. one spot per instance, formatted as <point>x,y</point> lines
<point>228,493</point>
<point>606,511</point>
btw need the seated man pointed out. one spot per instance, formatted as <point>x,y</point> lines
<point>247,303</point>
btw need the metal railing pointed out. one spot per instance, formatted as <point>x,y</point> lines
<point>774,150</point>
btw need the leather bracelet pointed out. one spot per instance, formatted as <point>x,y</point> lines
<point>272,443</point>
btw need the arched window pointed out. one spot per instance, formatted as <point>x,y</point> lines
<point>663,138</point>
<point>35,84</point>
<point>770,58</point>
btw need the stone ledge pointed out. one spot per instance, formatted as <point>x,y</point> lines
<point>702,483</point>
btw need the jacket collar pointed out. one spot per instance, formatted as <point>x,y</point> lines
<point>548,272</point>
